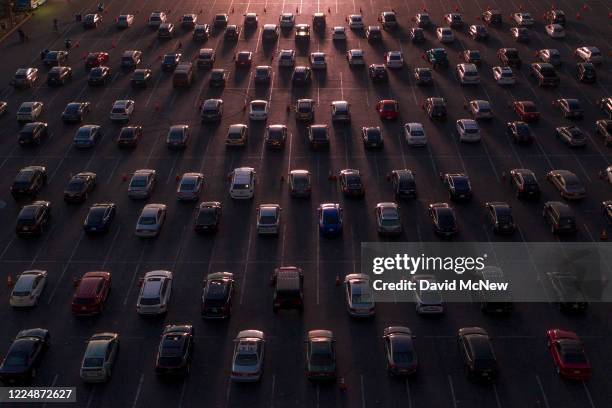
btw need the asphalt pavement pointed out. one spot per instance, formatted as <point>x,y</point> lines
<point>527,378</point>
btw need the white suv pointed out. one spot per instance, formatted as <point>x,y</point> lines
<point>242,183</point>
<point>154,293</point>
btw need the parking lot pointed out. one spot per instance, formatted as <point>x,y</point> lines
<point>527,377</point>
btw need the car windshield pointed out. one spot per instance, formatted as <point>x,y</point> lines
<point>573,357</point>
<point>389,107</point>
<point>389,222</point>
<point>75,185</point>
<point>267,219</point>
<point>16,359</point>
<point>319,133</point>
<point>330,217</point>
<point>360,297</point>
<point>93,362</point>
<point>304,107</point>
<point>138,182</point>
<point>25,109</point>
<point>373,134</point>
<point>246,359</point>
<point>72,108</point>
<point>403,356</point>
<point>83,134</point>
<point>147,220</point>
<point>139,76</point>
<point>461,184</point>
<point>95,215</point>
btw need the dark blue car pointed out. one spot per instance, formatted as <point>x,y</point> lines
<point>330,219</point>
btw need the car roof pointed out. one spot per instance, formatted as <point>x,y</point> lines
<point>250,335</point>
<point>320,334</point>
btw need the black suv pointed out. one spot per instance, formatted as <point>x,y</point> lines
<point>525,183</point>
<point>29,181</point>
<point>560,217</point>
<point>208,217</point>
<point>509,57</point>
<point>32,133</point>
<point>404,184</point>
<point>545,74</point>
<point>33,219</point>
<point>288,284</point>
<point>458,186</point>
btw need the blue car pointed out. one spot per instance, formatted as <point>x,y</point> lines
<point>330,219</point>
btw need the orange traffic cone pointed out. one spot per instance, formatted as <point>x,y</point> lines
<point>178,177</point>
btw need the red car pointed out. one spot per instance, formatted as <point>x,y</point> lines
<point>91,293</point>
<point>96,59</point>
<point>568,355</point>
<point>244,58</point>
<point>388,109</point>
<point>526,111</point>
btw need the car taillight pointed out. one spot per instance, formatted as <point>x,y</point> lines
<point>392,366</point>
<point>352,309</point>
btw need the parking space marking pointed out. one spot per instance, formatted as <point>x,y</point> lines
<point>52,385</point>
<point>134,274</point>
<point>90,398</point>
<point>273,390</point>
<point>57,284</point>
<point>112,173</point>
<point>171,174</point>
<point>246,265</point>
<point>64,157</point>
<point>35,258</point>
<point>318,265</point>
<point>138,389</point>
<point>588,394</point>
<point>8,246</point>
<point>497,399</point>
<point>363,401</point>
<point>544,397</point>
<point>452,390</point>
<point>183,389</point>
<point>408,396</point>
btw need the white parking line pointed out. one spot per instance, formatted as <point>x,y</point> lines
<point>452,390</point>
<point>52,385</point>
<point>110,249</point>
<point>171,174</point>
<point>363,402</point>
<point>246,266</point>
<point>318,264</point>
<point>408,396</point>
<point>341,87</point>
<point>134,274</point>
<point>7,246</point>
<point>138,389</point>
<point>112,173</point>
<point>60,163</point>
<point>273,390</point>
<point>49,234</point>
<point>544,397</point>
<point>588,393</point>
<point>183,389</point>
<point>497,400</point>
<point>57,284</point>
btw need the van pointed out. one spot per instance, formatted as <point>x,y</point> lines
<point>183,75</point>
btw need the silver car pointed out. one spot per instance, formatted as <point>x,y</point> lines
<point>154,293</point>
<point>190,186</point>
<point>99,357</point>
<point>388,219</point>
<point>427,301</point>
<point>359,299</point>
<point>28,288</point>
<point>151,220</point>
<point>268,219</point>
<point>142,183</point>
<point>247,361</point>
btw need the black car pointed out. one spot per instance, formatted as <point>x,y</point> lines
<point>443,218</point>
<point>519,132</point>
<point>568,292</point>
<point>232,33</point>
<point>59,75</point>
<point>99,218</point>
<point>477,353</point>
<point>499,215</point>
<point>79,187</point>
<point>208,216</point>
<point>437,57</point>
<point>301,75</point>
<point>372,137</point>
<point>29,181</point>
<point>417,35</point>
<point>220,20</point>
<point>570,108</point>
<point>175,350</point>
<point>263,74</point>
<point>141,77</point>
<point>76,112</point>
<point>404,184</point>
<point>378,73</point>
<point>34,218</point>
<point>423,76</point>
<point>275,136</point>
<point>560,217</point>
<point>288,284</point>
<point>98,76</point>
<point>585,71</point>
<point>218,76</point>
<point>300,184</point>
<point>525,183</point>
<point>24,356</point>
<point>545,74</point>
<point>129,136</point>
<point>351,183</point>
<point>399,351</point>
<point>33,133</point>
<point>458,186</point>
<point>435,108</point>
<point>318,136</point>
<point>170,61</point>
<point>217,295</point>
<point>509,57</point>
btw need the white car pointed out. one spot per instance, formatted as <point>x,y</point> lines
<point>355,57</point>
<point>258,110</point>
<point>355,22</point>
<point>445,35</point>
<point>555,31</point>
<point>523,19</point>
<point>151,220</point>
<point>99,357</point>
<point>468,74</point>
<point>125,20</point>
<point>122,110</point>
<point>394,59</point>
<point>28,288</point>
<point>242,183</point>
<point>247,361</point>
<point>589,54</point>
<point>29,111</point>
<point>480,109</point>
<point>157,18</point>
<point>286,58</point>
<point>468,130</point>
<point>318,60</point>
<point>268,219</point>
<point>415,135</point>
<point>358,290</point>
<point>339,33</point>
<point>286,20</point>
<point>427,301</point>
<point>155,291</point>
<point>504,75</point>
